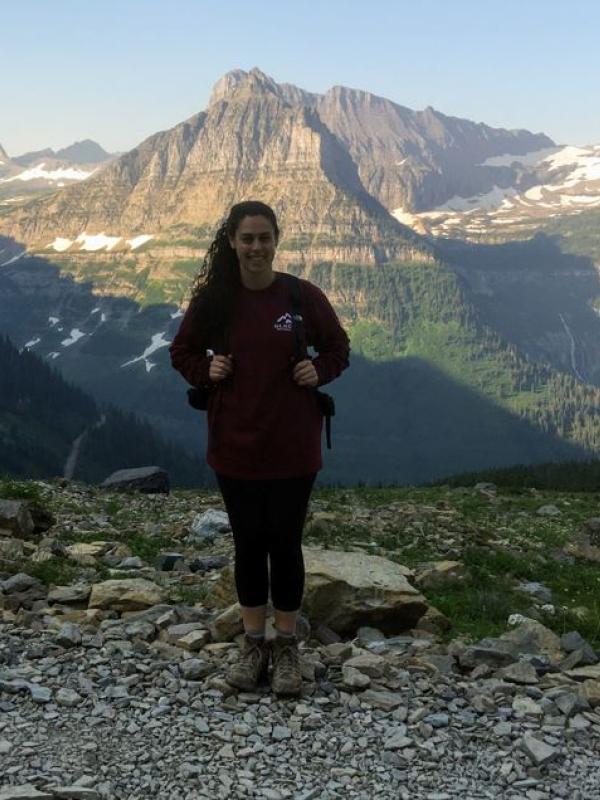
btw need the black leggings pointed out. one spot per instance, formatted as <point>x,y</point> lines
<point>267,518</point>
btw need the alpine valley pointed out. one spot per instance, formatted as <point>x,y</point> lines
<point>462,259</point>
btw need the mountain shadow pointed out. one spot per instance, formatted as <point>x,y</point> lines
<point>405,421</point>
<point>400,421</point>
<point>49,428</point>
<point>536,296</point>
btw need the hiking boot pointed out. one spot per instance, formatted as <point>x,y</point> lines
<point>252,665</point>
<point>286,678</point>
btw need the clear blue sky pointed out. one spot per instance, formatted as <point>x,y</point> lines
<point>119,70</point>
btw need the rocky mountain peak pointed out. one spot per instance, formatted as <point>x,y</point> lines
<point>240,83</point>
<point>3,153</point>
<point>85,152</point>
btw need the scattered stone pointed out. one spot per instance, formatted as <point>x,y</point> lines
<point>367,663</point>
<point>15,519</point>
<point>18,583</point>
<point>131,562</point>
<point>69,635</point>
<point>125,595</point>
<point>548,511</point>
<point>590,691</point>
<point>227,624</point>
<point>440,574</point>
<point>520,672</point>
<point>208,563</point>
<point>354,678</point>
<point>539,752</point>
<point>387,701</point>
<point>148,480</point>
<point>209,524</point>
<point>25,791</point>
<point>167,562</point>
<point>537,590</point>
<point>69,595</point>
<point>68,697</point>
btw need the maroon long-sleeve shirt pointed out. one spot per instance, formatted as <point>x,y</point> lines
<point>261,424</point>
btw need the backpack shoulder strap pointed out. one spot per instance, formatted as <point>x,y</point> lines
<point>296,301</point>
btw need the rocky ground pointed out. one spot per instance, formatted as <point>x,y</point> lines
<point>117,627</point>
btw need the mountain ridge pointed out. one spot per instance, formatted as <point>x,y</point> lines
<point>330,166</point>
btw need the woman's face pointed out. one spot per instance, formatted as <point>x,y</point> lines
<point>255,245</point>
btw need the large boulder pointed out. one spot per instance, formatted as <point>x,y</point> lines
<point>16,519</point>
<point>440,574</point>
<point>149,480</point>
<point>345,591</point>
<point>132,594</point>
<point>534,638</point>
<point>348,590</point>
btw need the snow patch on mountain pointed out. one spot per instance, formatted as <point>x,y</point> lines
<point>526,160</point>
<point>60,245</point>
<point>569,182</point>
<point>95,242</point>
<point>74,336</point>
<point>138,241</point>
<point>488,201</point>
<point>53,175</point>
<point>157,342</point>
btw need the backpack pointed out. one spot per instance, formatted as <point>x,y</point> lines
<point>198,396</point>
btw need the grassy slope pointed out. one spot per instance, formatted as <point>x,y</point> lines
<point>501,540</point>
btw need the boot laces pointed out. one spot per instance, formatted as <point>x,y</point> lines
<point>287,657</point>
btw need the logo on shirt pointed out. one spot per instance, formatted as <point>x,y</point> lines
<point>284,323</point>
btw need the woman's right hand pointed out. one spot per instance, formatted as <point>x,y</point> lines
<point>220,368</point>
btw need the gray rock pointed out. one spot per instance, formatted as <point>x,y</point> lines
<point>68,697</point>
<point>20,582</point>
<point>209,524</point>
<point>475,655</point>
<point>519,672</point>
<point>26,791</point>
<point>486,488</point>
<point>144,630</point>
<point>194,669</point>
<point>572,640</point>
<point>148,480</point>
<point>354,678</point>
<point>438,720</point>
<point>367,663</point>
<point>15,518</point>
<point>537,590</point>
<point>131,562</point>
<point>69,635</point>
<point>549,510</point>
<point>367,635</point>
<point>166,561</point>
<point>387,701</point>
<point>539,752</point>
<point>67,595</point>
<point>208,562</point>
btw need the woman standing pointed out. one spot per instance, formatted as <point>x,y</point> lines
<point>264,424</point>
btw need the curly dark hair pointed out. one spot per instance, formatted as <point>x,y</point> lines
<point>215,288</point>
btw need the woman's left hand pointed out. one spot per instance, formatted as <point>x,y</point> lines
<point>305,374</point>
